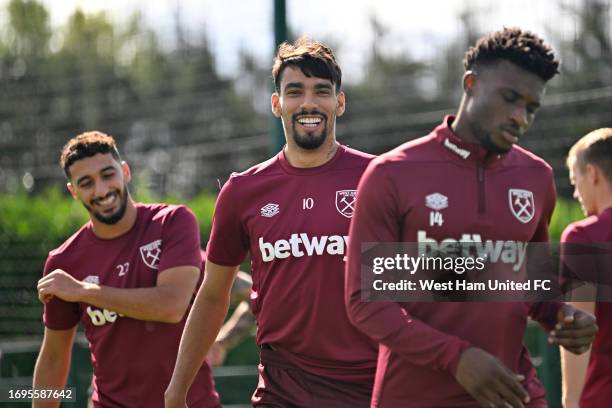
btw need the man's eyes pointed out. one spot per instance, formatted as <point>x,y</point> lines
<point>509,97</point>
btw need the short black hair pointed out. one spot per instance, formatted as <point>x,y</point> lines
<point>313,58</point>
<point>85,145</point>
<point>520,47</point>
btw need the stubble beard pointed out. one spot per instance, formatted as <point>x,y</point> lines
<point>118,215</point>
<point>309,141</point>
<point>485,140</point>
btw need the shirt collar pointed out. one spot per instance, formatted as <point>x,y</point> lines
<point>459,147</point>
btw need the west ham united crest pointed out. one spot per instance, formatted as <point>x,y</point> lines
<point>521,204</point>
<point>345,202</point>
<point>150,253</point>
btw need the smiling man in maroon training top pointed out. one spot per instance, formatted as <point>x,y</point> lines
<point>292,214</point>
<point>470,174</point>
<point>128,277</point>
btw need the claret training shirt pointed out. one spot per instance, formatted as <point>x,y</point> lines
<point>596,231</point>
<point>132,359</point>
<point>294,223</point>
<point>473,193</point>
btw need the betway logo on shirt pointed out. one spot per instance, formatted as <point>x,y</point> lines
<point>299,245</point>
<point>508,252</point>
<point>99,317</point>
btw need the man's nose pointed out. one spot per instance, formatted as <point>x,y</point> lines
<point>309,102</point>
<point>520,117</point>
<point>101,189</point>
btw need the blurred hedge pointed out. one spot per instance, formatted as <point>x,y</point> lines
<point>48,219</point>
<point>566,211</point>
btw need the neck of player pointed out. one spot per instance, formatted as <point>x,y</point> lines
<point>605,200</point>
<point>107,231</point>
<point>305,158</point>
<point>460,126</point>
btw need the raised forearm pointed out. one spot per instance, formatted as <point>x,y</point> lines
<point>241,288</point>
<point>159,304</point>
<point>573,369</point>
<point>166,302</point>
<point>237,327</point>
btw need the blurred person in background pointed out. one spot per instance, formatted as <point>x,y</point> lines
<point>587,378</point>
<point>240,324</point>
<point>292,214</point>
<point>466,177</point>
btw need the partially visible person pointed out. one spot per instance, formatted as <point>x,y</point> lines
<point>467,177</point>
<point>587,378</point>
<point>128,276</point>
<point>238,326</point>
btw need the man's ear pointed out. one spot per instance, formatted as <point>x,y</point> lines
<point>469,80</point>
<point>72,190</point>
<point>593,173</point>
<point>126,171</point>
<point>341,104</point>
<point>275,103</point>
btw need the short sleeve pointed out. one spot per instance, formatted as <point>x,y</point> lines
<point>578,257</point>
<point>180,240</point>
<point>229,241</point>
<point>57,313</point>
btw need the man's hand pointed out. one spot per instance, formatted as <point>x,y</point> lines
<point>575,329</point>
<point>174,400</point>
<point>217,353</point>
<point>59,283</point>
<point>486,379</point>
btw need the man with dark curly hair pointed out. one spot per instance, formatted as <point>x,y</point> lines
<point>482,188</point>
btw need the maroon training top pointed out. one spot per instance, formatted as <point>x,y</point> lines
<point>294,223</point>
<point>132,359</point>
<point>598,383</point>
<point>420,343</point>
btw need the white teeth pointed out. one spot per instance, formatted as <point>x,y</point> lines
<point>309,121</point>
<point>107,200</point>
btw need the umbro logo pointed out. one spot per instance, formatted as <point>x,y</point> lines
<point>270,210</point>
<point>436,201</point>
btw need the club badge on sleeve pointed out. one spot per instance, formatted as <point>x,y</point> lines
<point>151,253</point>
